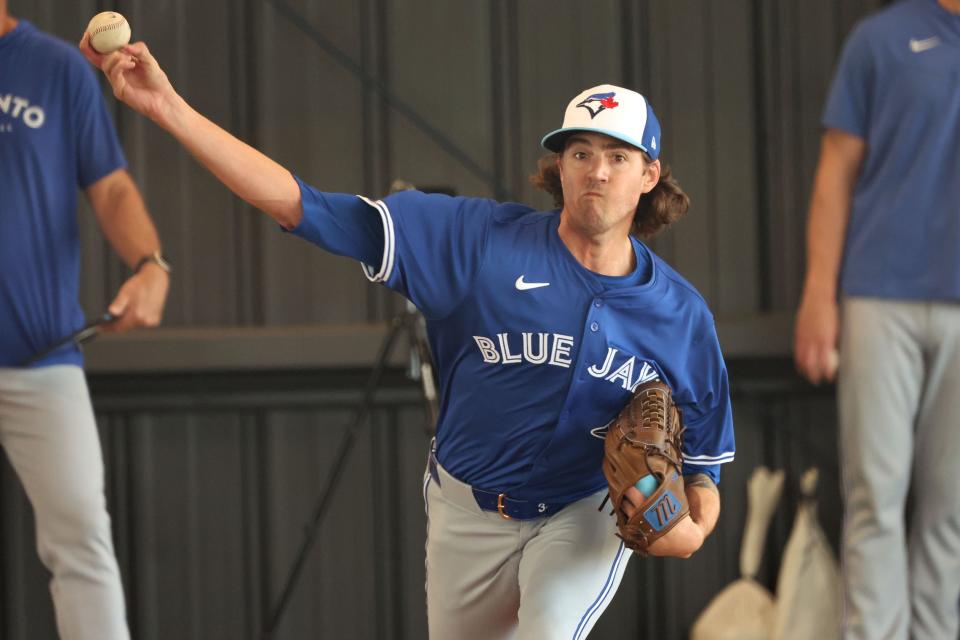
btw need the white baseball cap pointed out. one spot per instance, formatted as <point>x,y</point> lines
<point>614,111</point>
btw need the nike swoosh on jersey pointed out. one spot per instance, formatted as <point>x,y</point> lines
<point>523,286</point>
<point>922,45</point>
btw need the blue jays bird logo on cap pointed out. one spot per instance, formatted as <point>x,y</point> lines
<point>598,102</point>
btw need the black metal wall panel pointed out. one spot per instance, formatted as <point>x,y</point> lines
<point>732,205</point>
<point>561,49</point>
<point>352,95</point>
<point>685,101</point>
<point>26,610</point>
<point>311,121</point>
<point>210,506</point>
<point>439,64</point>
<point>188,550</point>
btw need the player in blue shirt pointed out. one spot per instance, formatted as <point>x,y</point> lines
<point>541,325</point>
<point>883,283</point>
<point>56,138</point>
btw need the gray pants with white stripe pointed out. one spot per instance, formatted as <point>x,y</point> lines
<point>542,579</point>
<point>899,400</point>
<point>48,431</point>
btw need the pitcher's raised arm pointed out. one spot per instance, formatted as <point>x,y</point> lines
<point>138,81</point>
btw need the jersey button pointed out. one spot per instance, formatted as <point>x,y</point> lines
<point>594,327</point>
<point>598,303</point>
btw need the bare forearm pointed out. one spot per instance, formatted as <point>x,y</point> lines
<point>704,500</point>
<point>837,171</point>
<point>250,174</point>
<point>128,228</point>
<point>826,228</point>
<point>123,217</point>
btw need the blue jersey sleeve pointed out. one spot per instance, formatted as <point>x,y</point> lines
<point>848,102</point>
<point>708,439</point>
<point>340,223</point>
<point>98,149</point>
<point>434,247</point>
<point>428,247</point>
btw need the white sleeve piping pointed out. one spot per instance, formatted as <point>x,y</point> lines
<point>709,460</point>
<point>389,244</point>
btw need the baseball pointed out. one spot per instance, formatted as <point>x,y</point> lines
<point>646,485</point>
<point>108,32</point>
<point>833,362</point>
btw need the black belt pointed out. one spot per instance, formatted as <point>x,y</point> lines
<point>509,508</point>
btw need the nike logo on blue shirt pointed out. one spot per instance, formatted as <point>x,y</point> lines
<point>922,45</point>
<point>523,286</point>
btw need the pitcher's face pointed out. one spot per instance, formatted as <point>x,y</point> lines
<point>603,179</point>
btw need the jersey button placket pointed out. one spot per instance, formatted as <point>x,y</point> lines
<point>594,325</point>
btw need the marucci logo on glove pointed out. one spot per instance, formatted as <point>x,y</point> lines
<point>663,512</point>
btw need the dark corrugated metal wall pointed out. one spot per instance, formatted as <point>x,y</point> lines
<point>210,506</point>
<point>325,87</point>
<point>210,485</point>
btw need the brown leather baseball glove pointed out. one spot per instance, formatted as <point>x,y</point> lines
<point>646,439</point>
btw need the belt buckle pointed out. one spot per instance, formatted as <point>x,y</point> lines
<point>503,514</point>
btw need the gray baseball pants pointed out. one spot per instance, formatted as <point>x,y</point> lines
<point>489,578</point>
<point>899,404</point>
<point>48,431</point>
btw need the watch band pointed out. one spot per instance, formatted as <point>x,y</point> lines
<point>157,259</point>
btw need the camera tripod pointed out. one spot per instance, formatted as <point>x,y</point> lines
<point>409,322</point>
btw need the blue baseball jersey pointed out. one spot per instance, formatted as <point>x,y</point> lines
<point>897,86</point>
<point>535,354</point>
<point>55,136</point>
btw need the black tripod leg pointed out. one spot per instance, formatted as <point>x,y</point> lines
<point>422,362</point>
<point>333,478</point>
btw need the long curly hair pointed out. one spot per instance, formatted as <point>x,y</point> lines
<point>656,211</point>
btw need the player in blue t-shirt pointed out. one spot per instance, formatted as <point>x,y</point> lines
<point>541,325</point>
<point>883,282</point>
<point>56,137</point>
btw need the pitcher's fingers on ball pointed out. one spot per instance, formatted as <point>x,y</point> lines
<point>91,54</point>
<point>141,52</point>
<point>115,67</point>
